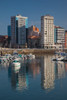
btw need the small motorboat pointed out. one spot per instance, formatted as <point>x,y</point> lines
<point>30,56</point>
<point>65,59</point>
<point>33,56</point>
<point>60,58</point>
<point>16,63</point>
<point>3,59</point>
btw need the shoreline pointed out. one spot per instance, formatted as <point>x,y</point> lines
<point>27,51</point>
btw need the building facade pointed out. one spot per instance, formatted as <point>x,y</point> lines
<point>33,37</point>
<point>9,30</point>
<point>33,31</point>
<point>47,31</point>
<point>65,39</point>
<point>9,34</point>
<point>3,40</point>
<point>59,35</point>
<point>19,24</point>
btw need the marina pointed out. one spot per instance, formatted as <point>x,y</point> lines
<point>60,56</point>
<point>33,78</point>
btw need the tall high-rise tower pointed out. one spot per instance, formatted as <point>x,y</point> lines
<point>47,31</point>
<point>18,30</point>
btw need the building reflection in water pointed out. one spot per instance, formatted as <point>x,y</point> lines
<point>4,66</point>
<point>59,69</point>
<point>65,66</point>
<point>20,78</point>
<point>47,73</point>
<point>34,68</point>
<point>50,71</point>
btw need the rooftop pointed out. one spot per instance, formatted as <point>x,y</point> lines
<point>58,27</point>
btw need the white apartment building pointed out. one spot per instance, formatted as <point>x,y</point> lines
<point>47,31</point>
<point>59,34</point>
<point>18,30</point>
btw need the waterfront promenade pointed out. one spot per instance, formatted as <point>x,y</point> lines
<point>28,50</point>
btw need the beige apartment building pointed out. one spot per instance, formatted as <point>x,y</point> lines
<point>47,31</point>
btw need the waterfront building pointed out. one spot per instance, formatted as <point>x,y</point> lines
<point>33,37</point>
<point>59,35</point>
<point>47,31</point>
<point>19,24</point>
<point>9,30</point>
<point>33,31</point>
<point>65,39</point>
<point>3,40</point>
<point>58,46</point>
<point>9,34</point>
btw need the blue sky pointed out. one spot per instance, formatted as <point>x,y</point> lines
<point>33,9</point>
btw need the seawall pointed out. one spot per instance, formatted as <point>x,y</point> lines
<point>27,51</point>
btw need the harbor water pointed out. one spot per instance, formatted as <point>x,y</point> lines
<point>36,79</point>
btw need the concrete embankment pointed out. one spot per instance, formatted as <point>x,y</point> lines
<point>39,51</point>
<point>27,51</point>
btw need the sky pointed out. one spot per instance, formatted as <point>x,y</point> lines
<point>33,9</point>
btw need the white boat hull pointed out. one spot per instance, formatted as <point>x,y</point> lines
<point>16,64</point>
<point>60,58</point>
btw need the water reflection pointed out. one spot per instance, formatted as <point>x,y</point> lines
<point>42,66</point>
<point>4,66</point>
<point>65,67</point>
<point>33,68</point>
<point>20,78</point>
<point>50,71</point>
<point>59,69</point>
<point>47,73</point>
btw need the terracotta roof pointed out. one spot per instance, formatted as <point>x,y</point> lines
<point>33,37</point>
<point>57,27</point>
